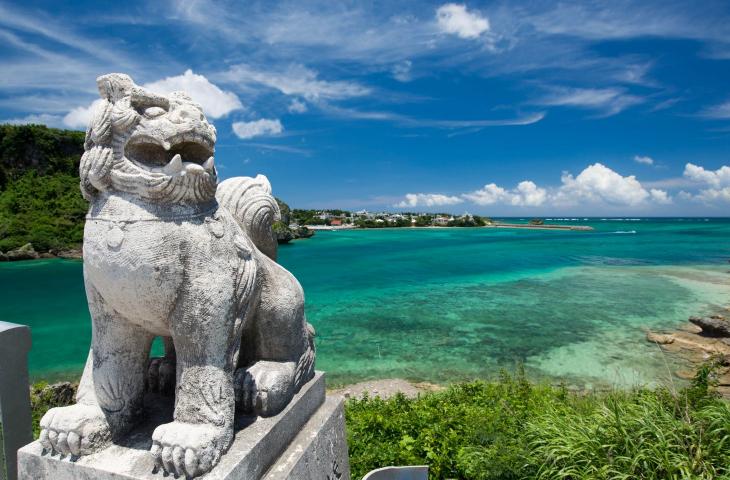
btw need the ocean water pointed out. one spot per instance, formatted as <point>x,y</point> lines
<point>452,304</point>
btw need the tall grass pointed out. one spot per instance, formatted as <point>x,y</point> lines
<point>513,429</point>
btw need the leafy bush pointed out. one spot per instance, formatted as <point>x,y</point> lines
<point>513,429</point>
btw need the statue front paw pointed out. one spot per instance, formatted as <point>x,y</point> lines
<point>188,449</point>
<point>74,430</point>
<point>264,388</point>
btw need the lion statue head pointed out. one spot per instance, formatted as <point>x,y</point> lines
<point>158,148</point>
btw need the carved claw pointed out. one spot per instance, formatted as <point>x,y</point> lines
<point>74,430</point>
<point>189,450</point>
<point>265,388</point>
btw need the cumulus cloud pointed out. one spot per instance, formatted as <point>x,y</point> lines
<point>716,178</point>
<point>643,159</point>
<point>455,19</point>
<point>80,117</point>
<point>216,103</point>
<point>427,200</point>
<point>660,196</point>
<point>718,182</point>
<point>599,184</point>
<point>257,128</point>
<point>297,106</point>
<point>526,194</point>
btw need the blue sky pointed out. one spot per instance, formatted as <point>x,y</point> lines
<point>499,108</point>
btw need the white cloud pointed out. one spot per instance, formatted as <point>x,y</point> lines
<point>297,106</point>
<point>718,181</point>
<point>428,200</point>
<point>216,103</point>
<point>455,19</point>
<point>37,119</point>
<point>717,178</point>
<point>295,79</point>
<point>80,117</point>
<point>643,159</point>
<point>714,195</point>
<point>526,194</point>
<point>257,128</point>
<point>599,184</point>
<point>608,100</point>
<point>660,196</point>
<point>402,71</point>
<point>720,112</point>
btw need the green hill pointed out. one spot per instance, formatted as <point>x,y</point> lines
<point>40,201</point>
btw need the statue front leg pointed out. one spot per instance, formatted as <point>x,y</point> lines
<point>204,403</point>
<point>110,393</point>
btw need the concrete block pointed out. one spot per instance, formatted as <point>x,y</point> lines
<point>14,394</point>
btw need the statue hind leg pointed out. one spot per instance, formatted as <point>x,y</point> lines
<point>278,347</point>
<point>110,396</point>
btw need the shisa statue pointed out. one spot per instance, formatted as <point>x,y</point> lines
<point>169,252</point>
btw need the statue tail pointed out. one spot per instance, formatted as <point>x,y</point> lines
<point>252,204</point>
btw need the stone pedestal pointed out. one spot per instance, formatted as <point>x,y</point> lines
<point>305,441</point>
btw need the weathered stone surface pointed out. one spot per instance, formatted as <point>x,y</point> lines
<point>319,451</point>
<point>26,252</point>
<point>715,325</point>
<point>309,425</point>
<point>169,252</point>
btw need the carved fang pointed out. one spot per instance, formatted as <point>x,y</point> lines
<point>175,165</point>
<point>209,164</point>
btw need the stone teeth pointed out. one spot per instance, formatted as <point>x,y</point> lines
<point>175,165</point>
<point>193,167</point>
<point>209,164</point>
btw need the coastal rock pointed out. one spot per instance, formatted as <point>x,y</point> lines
<point>26,252</point>
<point>3,257</point>
<point>660,338</point>
<point>715,326</point>
<point>61,393</point>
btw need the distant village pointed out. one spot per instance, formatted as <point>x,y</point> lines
<point>364,219</point>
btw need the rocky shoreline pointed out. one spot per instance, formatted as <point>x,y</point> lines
<point>27,252</point>
<point>700,340</point>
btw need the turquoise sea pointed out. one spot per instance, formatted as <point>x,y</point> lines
<point>449,304</point>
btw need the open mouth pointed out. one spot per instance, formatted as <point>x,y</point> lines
<point>185,154</point>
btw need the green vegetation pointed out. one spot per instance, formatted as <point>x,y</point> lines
<point>513,429</point>
<point>40,201</point>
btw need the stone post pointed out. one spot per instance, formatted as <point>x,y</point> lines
<point>14,394</point>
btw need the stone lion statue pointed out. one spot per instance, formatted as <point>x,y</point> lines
<point>169,252</point>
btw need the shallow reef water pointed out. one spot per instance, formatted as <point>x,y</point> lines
<point>450,304</point>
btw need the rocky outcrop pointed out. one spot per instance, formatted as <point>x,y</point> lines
<point>715,325</point>
<point>26,252</point>
<point>659,338</point>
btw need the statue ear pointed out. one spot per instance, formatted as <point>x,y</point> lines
<point>114,86</point>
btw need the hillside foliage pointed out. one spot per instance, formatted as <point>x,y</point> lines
<point>40,201</point>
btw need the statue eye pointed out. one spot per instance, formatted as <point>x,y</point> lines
<point>153,112</point>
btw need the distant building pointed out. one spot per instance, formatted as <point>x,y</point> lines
<point>336,222</point>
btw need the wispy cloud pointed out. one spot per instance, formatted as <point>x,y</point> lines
<point>608,101</point>
<point>409,121</point>
<point>294,79</point>
<point>720,111</point>
<point>457,20</point>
